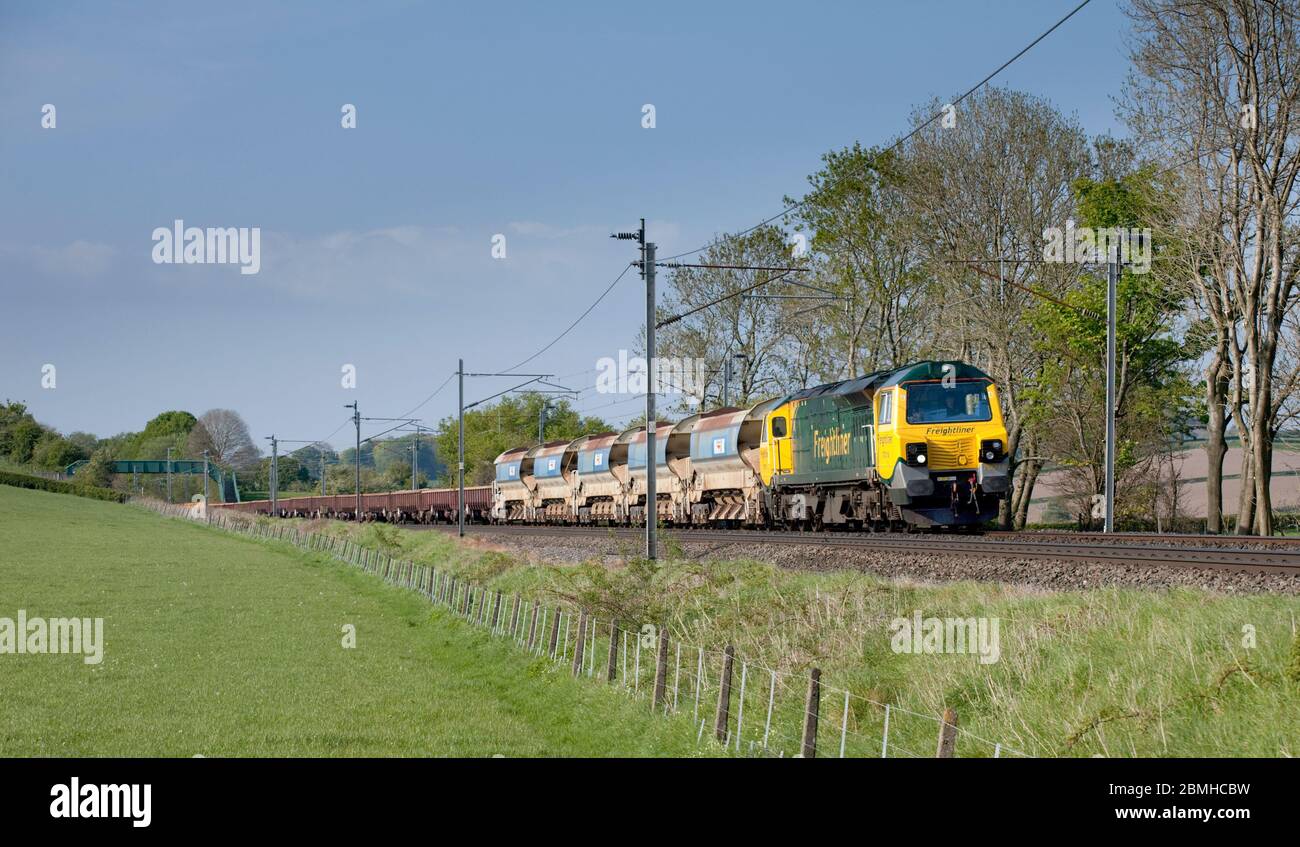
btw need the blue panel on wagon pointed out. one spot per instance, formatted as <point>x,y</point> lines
<point>714,443</point>
<point>594,461</point>
<point>548,467</point>
<point>636,451</point>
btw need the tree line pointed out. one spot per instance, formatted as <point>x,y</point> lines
<point>386,465</point>
<point>939,247</point>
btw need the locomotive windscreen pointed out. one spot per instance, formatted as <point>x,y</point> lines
<point>957,402</point>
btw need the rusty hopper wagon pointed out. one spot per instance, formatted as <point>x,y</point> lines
<point>425,506</point>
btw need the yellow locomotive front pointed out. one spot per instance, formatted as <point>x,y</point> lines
<point>941,444</point>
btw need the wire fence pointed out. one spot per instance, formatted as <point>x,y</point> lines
<point>734,705</point>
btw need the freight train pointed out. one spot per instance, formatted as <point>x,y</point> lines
<point>921,446</point>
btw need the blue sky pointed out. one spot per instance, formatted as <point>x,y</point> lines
<point>472,119</point>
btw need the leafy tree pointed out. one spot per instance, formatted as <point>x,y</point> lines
<point>1154,398</point>
<point>96,472</point>
<point>169,423</point>
<point>855,209</point>
<point>169,429</point>
<point>507,423</point>
<point>19,432</point>
<point>86,442</point>
<point>55,452</point>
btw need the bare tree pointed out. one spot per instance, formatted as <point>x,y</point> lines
<point>1216,90</point>
<point>223,433</point>
<point>735,323</point>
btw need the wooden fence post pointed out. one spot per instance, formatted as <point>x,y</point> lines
<point>947,735</point>
<point>811,709</point>
<point>661,668</point>
<point>613,651</point>
<point>496,612</point>
<point>582,640</point>
<point>532,627</point>
<point>724,695</point>
<point>555,633</point>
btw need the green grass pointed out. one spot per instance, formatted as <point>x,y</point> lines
<point>217,645</point>
<point>1109,672</point>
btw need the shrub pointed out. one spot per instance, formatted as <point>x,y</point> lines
<point>55,486</point>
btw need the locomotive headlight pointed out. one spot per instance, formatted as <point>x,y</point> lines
<point>991,450</point>
<point>916,453</point>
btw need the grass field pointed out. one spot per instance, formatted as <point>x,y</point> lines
<point>216,645</point>
<point>1106,672</point>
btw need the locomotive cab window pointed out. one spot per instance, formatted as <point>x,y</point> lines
<point>886,415</point>
<point>778,427</point>
<point>961,402</point>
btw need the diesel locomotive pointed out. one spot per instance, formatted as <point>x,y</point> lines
<point>921,446</point>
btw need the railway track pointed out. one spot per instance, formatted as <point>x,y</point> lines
<point>1154,538</point>
<point>1132,550</point>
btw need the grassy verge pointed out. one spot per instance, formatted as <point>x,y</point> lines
<point>222,646</point>
<point>1104,672</point>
